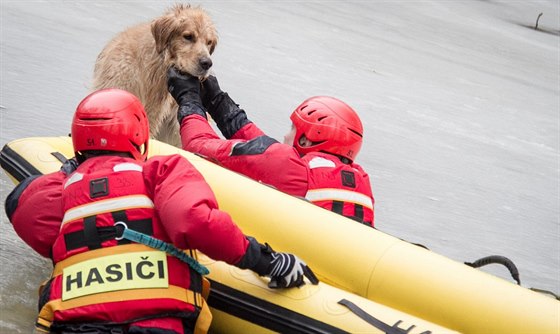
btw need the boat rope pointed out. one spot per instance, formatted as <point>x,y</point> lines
<point>510,266</point>
<point>387,329</point>
<point>498,260</point>
<point>152,242</point>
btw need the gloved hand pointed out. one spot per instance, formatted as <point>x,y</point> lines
<point>287,270</point>
<point>185,89</point>
<point>224,111</point>
<point>182,86</point>
<point>210,90</point>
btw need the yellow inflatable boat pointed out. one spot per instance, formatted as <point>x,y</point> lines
<point>371,282</point>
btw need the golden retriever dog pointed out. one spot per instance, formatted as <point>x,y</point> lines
<point>137,60</point>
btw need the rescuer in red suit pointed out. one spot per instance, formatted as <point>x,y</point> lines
<point>316,160</point>
<point>104,283</point>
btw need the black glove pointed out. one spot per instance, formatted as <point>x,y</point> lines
<point>183,86</point>
<point>287,270</point>
<point>224,111</point>
<point>210,90</point>
<point>185,89</point>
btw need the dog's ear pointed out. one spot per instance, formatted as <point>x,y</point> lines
<point>213,46</point>
<point>212,37</point>
<point>163,29</point>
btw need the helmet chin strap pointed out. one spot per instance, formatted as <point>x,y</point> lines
<point>80,157</point>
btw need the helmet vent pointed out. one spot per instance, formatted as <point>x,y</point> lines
<point>356,132</point>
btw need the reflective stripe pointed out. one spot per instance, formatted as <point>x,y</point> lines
<point>321,162</point>
<point>172,292</point>
<point>329,194</point>
<point>108,205</point>
<point>127,166</point>
<point>73,179</point>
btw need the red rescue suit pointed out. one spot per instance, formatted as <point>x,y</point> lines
<point>100,280</point>
<point>250,152</point>
<point>339,187</point>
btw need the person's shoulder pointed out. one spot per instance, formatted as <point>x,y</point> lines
<point>321,156</point>
<point>166,161</point>
<point>320,159</point>
<point>359,168</point>
<point>53,178</point>
<point>163,158</point>
<point>36,186</point>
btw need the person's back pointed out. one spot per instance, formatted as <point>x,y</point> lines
<point>322,127</point>
<point>102,197</point>
<point>339,187</point>
<point>86,216</point>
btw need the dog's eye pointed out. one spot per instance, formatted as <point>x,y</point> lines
<point>188,37</point>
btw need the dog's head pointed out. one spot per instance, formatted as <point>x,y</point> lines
<point>186,37</point>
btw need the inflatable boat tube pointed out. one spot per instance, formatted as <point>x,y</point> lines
<point>240,300</point>
<point>345,255</point>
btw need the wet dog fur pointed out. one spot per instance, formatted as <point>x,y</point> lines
<point>137,60</point>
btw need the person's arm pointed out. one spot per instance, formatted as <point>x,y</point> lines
<point>34,207</point>
<point>189,212</point>
<point>248,152</point>
<point>248,131</point>
<point>285,270</point>
<point>230,119</point>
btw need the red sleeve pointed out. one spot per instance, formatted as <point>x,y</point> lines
<point>188,210</point>
<point>39,212</point>
<point>197,136</point>
<point>279,166</point>
<point>248,132</point>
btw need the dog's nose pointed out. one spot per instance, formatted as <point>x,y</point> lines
<point>205,63</point>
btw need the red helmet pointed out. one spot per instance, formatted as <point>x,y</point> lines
<point>111,120</point>
<point>332,126</point>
